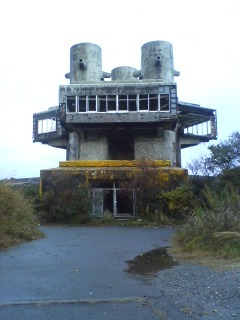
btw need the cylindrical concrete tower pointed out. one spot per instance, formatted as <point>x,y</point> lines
<point>123,73</point>
<point>85,62</point>
<point>157,61</point>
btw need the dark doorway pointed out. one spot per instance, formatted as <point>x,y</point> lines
<point>119,202</point>
<point>125,202</point>
<point>121,146</point>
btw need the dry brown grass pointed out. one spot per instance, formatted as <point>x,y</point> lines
<point>18,222</point>
<point>217,263</point>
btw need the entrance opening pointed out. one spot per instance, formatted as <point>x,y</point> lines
<point>125,200</point>
<point>119,202</point>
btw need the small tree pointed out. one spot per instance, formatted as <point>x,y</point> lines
<point>223,156</point>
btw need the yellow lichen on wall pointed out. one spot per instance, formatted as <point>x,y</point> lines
<point>113,163</point>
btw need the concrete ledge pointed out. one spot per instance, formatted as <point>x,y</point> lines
<point>113,163</point>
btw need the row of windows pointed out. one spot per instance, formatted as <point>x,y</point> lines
<point>118,103</point>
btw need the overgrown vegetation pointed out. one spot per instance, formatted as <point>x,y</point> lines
<point>18,221</point>
<point>207,206</point>
<point>160,200</point>
<point>66,202</point>
<point>214,225</point>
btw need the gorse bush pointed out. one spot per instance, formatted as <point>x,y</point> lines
<point>18,222</point>
<point>177,203</point>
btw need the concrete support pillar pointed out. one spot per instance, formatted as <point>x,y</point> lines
<point>73,146</point>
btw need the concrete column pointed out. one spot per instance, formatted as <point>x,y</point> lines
<point>73,146</point>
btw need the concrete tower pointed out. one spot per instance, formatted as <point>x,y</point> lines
<point>107,127</point>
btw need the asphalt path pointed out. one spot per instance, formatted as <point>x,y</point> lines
<point>81,273</point>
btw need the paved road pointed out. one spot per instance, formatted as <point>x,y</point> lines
<point>80,273</point>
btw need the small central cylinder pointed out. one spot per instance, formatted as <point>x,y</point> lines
<point>123,73</point>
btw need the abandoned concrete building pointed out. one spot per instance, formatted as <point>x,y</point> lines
<point>109,122</point>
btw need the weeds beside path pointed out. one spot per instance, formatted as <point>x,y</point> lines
<point>18,221</point>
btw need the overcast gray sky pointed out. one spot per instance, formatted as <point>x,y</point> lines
<point>36,37</point>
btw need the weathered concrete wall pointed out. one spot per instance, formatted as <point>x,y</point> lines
<point>94,147</point>
<point>85,62</point>
<point>157,61</point>
<point>163,148</point>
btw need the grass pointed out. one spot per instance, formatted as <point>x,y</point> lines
<point>214,227</point>
<point>18,222</point>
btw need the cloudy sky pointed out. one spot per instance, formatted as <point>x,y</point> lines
<point>36,37</point>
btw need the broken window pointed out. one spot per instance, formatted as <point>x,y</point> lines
<point>143,102</point>
<point>82,103</point>
<point>71,104</point>
<point>132,102</point>
<point>149,102</point>
<point>46,125</point>
<point>153,102</point>
<point>164,102</point>
<point>92,103</point>
<point>111,103</point>
<point>122,103</point>
<point>102,103</point>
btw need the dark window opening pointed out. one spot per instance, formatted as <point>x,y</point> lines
<point>92,103</point>
<point>102,103</point>
<point>82,104</point>
<point>143,102</point>
<point>125,202</point>
<point>111,103</point>
<point>153,102</point>
<point>122,103</point>
<point>164,102</point>
<point>71,104</point>
<point>132,103</point>
<point>120,146</point>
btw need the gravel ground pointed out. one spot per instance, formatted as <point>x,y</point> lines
<point>201,292</point>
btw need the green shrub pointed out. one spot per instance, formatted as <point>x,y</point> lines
<point>70,206</point>
<point>17,219</point>
<point>31,192</point>
<point>177,203</point>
